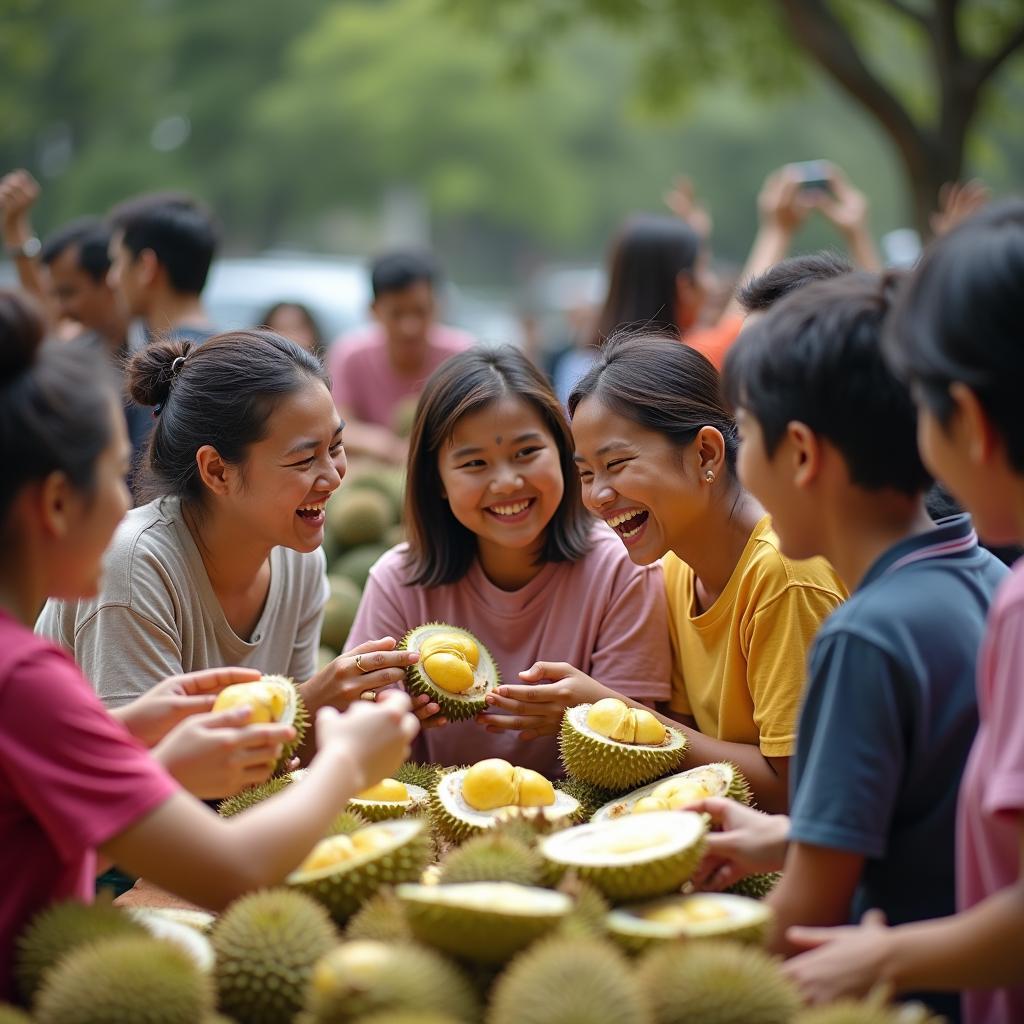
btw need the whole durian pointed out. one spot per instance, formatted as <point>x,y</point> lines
<point>346,823</point>
<point>357,979</point>
<point>381,918</point>
<point>59,929</point>
<point>251,796</point>
<point>493,858</point>
<point>755,887</point>
<point>266,945</point>
<point>126,979</point>
<point>590,797</point>
<point>716,982</point>
<point>569,981</point>
<point>415,773</point>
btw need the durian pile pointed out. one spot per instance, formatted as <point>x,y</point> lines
<point>363,521</point>
<point>479,895</point>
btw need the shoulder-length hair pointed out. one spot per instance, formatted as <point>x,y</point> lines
<point>441,549</point>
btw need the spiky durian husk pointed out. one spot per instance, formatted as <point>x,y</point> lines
<point>380,919</point>
<point>358,979</point>
<point>755,887</point>
<point>346,823</point>
<point>716,982</point>
<point>127,979</point>
<point>266,945</point>
<point>300,723</point>
<point>383,810</point>
<point>346,888</point>
<point>59,929</point>
<point>493,858</point>
<point>569,981</point>
<point>456,707</point>
<point>251,796</point>
<point>415,773</point>
<point>612,765</point>
<point>591,797</point>
<point>12,1015</point>
<point>589,912</point>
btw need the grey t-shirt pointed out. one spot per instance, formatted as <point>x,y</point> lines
<point>888,719</point>
<point>157,614</point>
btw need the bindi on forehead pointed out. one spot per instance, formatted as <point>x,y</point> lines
<point>498,439</point>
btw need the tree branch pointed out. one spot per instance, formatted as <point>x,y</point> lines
<point>988,66</point>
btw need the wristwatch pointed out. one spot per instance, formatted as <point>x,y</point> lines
<point>29,249</point>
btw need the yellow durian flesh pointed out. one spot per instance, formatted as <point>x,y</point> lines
<point>386,789</point>
<point>647,804</point>
<point>266,701</point>
<point>328,852</point>
<point>450,670</point>
<point>693,910</point>
<point>612,718</point>
<point>495,783</point>
<point>451,643</point>
<point>679,794</point>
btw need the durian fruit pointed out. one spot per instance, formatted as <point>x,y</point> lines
<point>357,979</point>
<point>679,792</point>
<point>593,752</point>
<point>381,918</point>
<point>590,797</point>
<point>359,515</point>
<point>707,915</point>
<point>269,699</point>
<point>189,938</point>
<point>379,476</point>
<point>252,795</point>
<point>390,798</point>
<point>267,943</point>
<point>755,887</point>
<point>142,980</point>
<point>346,823</point>
<point>631,858</point>
<point>357,563</point>
<point>716,982</point>
<point>485,922</point>
<point>342,872</point>
<point>12,1015</point>
<point>569,981</point>
<point>339,611</point>
<point>589,909</point>
<point>414,773</point>
<point>870,1011</point>
<point>493,857</point>
<point>59,929</point>
<point>409,1017</point>
<point>455,669</point>
<point>456,819</point>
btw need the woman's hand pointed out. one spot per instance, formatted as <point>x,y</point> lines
<point>152,716</point>
<point>372,665</point>
<point>842,962</point>
<point>373,738</point>
<point>536,709</point>
<point>750,843</point>
<point>217,754</point>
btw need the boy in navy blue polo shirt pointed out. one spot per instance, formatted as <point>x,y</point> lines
<point>829,447</point>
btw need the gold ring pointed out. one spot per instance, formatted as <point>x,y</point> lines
<point>370,695</point>
<point>359,665</point>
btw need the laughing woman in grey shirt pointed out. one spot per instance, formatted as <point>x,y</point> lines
<point>223,566</point>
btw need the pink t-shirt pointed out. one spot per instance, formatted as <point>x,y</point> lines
<point>71,777</point>
<point>602,614</point>
<point>364,382</point>
<point>992,791</point>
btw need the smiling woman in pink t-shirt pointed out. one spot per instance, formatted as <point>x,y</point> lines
<point>500,544</point>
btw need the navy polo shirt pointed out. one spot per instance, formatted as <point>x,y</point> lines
<point>888,719</point>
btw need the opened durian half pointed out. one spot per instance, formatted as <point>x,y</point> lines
<point>679,792</point>
<point>389,799</point>
<point>486,922</point>
<point>455,669</point>
<point>633,857</point>
<point>706,915</point>
<point>343,871</point>
<point>471,800</point>
<point>269,699</point>
<point>612,745</point>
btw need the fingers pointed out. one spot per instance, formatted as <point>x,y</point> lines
<point>395,701</point>
<point>213,680</point>
<point>719,809</point>
<point>385,643</point>
<point>553,670</point>
<point>874,919</point>
<point>805,937</point>
<point>428,712</point>
<point>539,693</point>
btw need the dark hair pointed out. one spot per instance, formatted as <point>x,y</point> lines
<point>648,255</point>
<point>396,271</point>
<point>762,292</point>
<point>90,237</point>
<point>222,393</point>
<point>55,403</point>
<point>662,385</point>
<point>817,357</point>
<point>305,313</point>
<point>441,549</point>
<point>181,233</point>
<point>959,319</point>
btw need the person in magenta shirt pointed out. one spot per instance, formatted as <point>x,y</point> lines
<point>76,782</point>
<point>956,336</point>
<point>378,371</point>
<point>500,544</point>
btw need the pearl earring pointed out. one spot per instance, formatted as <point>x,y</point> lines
<point>709,476</point>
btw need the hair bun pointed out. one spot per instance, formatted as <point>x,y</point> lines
<point>21,333</point>
<point>151,372</point>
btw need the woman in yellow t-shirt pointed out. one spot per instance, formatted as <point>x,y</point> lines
<point>656,450</point>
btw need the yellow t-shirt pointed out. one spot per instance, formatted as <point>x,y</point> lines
<point>740,666</point>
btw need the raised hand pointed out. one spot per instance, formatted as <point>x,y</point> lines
<point>372,665</point>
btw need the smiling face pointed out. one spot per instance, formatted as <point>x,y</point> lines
<point>278,495</point>
<point>501,475</point>
<point>637,480</point>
